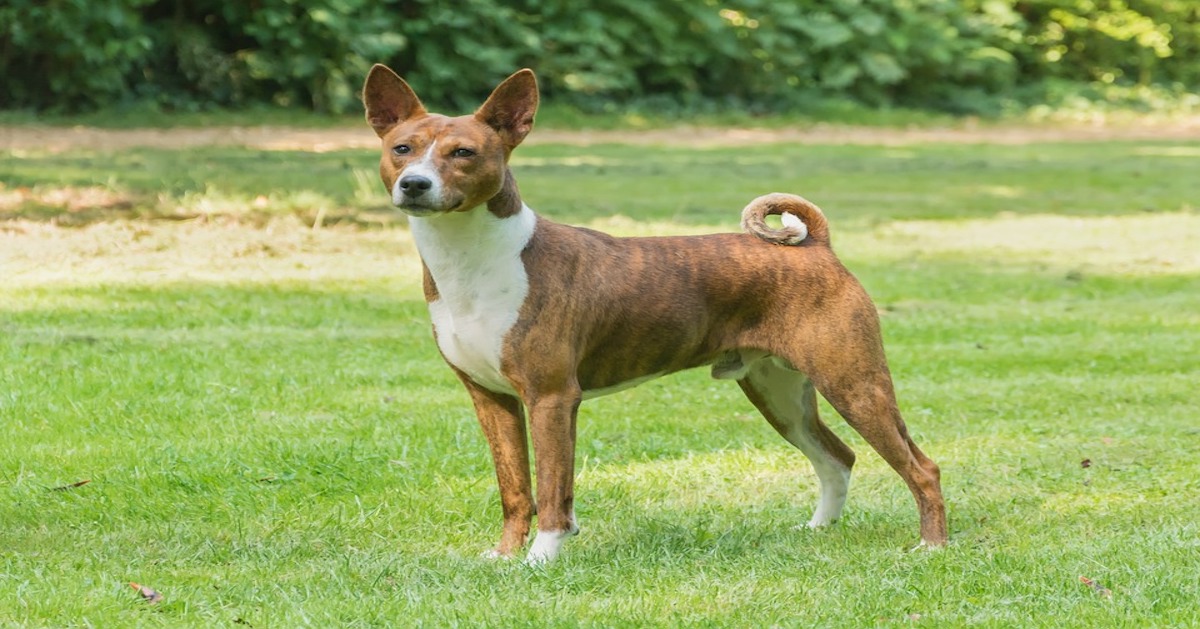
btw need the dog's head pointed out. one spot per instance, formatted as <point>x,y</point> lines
<point>433,163</point>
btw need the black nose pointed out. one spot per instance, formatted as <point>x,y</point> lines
<point>415,185</point>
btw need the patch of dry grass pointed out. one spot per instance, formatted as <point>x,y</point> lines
<point>285,248</point>
<point>1135,244</point>
<point>225,251</point>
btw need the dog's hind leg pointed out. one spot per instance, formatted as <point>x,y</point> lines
<point>844,358</point>
<point>789,402</point>
<point>870,408</point>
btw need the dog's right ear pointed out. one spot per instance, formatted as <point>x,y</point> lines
<point>511,107</point>
<point>389,100</point>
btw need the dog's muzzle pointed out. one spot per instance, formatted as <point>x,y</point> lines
<point>414,186</point>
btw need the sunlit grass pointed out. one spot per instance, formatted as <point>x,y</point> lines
<point>857,184</point>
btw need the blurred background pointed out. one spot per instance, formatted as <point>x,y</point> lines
<point>660,57</point>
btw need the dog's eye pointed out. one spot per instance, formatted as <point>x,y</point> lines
<point>402,149</point>
<point>463,152</point>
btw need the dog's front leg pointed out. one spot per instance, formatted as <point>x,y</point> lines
<point>552,422</point>
<point>503,424</point>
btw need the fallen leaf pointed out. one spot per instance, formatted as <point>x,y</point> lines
<point>71,486</point>
<point>1095,585</point>
<point>150,595</point>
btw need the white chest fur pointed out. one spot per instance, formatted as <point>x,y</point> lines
<point>475,260</point>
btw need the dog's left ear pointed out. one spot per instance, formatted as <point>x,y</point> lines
<point>511,107</point>
<point>389,100</point>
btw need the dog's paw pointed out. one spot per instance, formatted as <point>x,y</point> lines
<point>547,545</point>
<point>494,554</point>
<point>926,547</point>
<point>813,525</point>
<point>820,521</point>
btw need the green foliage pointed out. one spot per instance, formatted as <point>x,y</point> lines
<point>1127,41</point>
<point>685,55</point>
<point>283,52</point>
<point>73,54</point>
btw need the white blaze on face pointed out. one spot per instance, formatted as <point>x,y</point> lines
<point>423,167</point>
<point>474,258</point>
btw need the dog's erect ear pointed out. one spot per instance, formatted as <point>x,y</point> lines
<point>389,100</point>
<point>511,107</point>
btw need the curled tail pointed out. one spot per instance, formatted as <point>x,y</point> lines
<point>801,220</point>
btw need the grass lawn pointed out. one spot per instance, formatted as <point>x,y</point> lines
<point>272,440</point>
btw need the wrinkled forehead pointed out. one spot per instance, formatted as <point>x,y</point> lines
<point>458,129</point>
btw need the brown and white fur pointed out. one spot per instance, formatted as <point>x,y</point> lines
<point>534,316</point>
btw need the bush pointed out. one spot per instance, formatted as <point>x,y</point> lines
<point>70,54</point>
<point>1110,41</point>
<point>755,55</point>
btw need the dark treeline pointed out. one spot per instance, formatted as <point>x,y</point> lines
<point>757,55</point>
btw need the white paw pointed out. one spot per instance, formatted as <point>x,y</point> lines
<point>821,520</point>
<point>546,546</point>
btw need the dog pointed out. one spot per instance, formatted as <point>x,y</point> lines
<point>535,316</point>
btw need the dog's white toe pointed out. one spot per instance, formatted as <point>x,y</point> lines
<point>546,546</point>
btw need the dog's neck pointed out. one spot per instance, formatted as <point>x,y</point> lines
<point>476,251</point>
<point>507,202</point>
<point>476,280</point>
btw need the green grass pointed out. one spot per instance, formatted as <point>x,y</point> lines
<point>1053,102</point>
<point>698,186</point>
<point>272,439</point>
<point>550,115</point>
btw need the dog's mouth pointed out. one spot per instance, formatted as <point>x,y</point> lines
<point>422,207</point>
<point>418,209</point>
